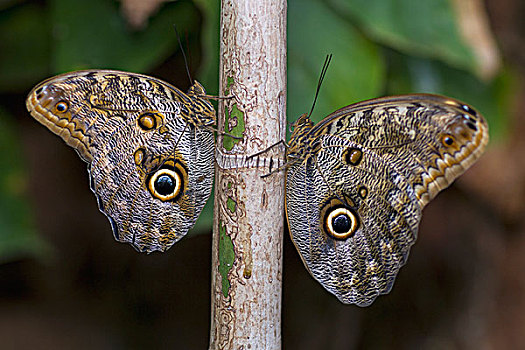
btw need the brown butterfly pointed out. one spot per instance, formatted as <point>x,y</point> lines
<point>357,182</point>
<point>148,145</point>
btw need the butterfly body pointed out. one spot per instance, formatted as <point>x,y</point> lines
<point>148,145</point>
<point>357,183</point>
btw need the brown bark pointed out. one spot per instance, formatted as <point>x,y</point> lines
<point>248,222</point>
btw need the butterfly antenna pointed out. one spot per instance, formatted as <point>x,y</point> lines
<point>183,54</point>
<point>321,78</point>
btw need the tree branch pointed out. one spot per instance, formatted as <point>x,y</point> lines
<point>248,220</point>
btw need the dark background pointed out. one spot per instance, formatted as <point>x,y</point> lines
<point>64,281</point>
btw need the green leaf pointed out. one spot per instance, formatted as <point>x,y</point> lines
<point>24,44</point>
<point>356,72</point>
<point>18,238</point>
<point>93,34</point>
<point>424,28</point>
<point>235,115</point>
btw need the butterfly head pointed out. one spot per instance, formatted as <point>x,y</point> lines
<point>301,126</point>
<point>196,89</point>
<point>202,109</point>
<point>300,129</point>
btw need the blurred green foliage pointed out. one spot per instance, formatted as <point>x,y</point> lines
<point>379,47</point>
<point>421,28</point>
<point>18,237</point>
<point>110,43</point>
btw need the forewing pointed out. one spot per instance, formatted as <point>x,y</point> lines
<point>429,139</point>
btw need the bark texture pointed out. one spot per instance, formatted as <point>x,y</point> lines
<point>248,222</point>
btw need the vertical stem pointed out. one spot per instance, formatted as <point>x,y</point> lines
<point>248,220</point>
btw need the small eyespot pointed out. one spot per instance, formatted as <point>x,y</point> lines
<point>341,223</point>
<point>147,121</point>
<point>352,156</point>
<point>471,126</point>
<point>139,156</point>
<point>469,110</point>
<point>447,140</point>
<point>61,107</point>
<point>363,192</point>
<point>469,118</point>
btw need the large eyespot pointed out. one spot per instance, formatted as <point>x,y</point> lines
<point>61,107</point>
<point>352,156</point>
<point>165,184</point>
<point>341,222</point>
<point>168,182</point>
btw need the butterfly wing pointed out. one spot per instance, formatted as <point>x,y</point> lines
<point>430,139</point>
<point>360,179</point>
<point>150,161</point>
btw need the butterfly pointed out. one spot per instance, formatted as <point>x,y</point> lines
<point>357,182</point>
<point>149,148</point>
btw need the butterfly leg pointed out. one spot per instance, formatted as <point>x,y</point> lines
<point>280,142</point>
